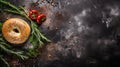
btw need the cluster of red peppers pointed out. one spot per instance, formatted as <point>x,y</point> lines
<point>35,16</point>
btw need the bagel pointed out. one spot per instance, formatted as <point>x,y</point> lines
<point>15,30</point>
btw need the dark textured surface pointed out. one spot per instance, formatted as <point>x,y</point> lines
<point>84,33</point>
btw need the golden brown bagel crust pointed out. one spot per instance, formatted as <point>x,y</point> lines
<point>19,36</point>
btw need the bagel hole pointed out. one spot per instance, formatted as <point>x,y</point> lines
<point>16,30</point>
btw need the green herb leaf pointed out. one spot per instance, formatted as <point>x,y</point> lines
<point>1,58</point>
<point>37,38</point>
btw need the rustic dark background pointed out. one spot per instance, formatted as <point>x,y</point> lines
<point>84,33</point>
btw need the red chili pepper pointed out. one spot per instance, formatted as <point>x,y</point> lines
<point>33,14</point>
<point>41,18</point>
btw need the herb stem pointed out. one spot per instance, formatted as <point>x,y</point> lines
<point>9,4</point>
<point>19,54</point>
<point>36,37</point>
<point>4,61</point>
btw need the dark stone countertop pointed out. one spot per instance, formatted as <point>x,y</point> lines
<point>83,32</point>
